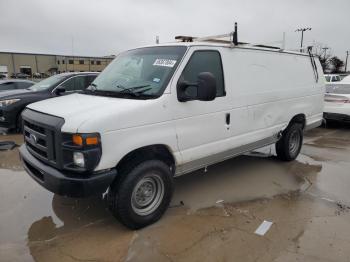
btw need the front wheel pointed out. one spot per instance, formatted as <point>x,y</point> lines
<point>142,195</point>
<point>289,146</point>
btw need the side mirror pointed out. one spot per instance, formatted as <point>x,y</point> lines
<point>204,89</point>
<point>60,90</point>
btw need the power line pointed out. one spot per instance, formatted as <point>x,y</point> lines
<point>302,30</point>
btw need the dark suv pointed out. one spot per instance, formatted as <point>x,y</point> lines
<point>13,102</point>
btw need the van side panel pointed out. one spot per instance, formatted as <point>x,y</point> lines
<point>274,87</point>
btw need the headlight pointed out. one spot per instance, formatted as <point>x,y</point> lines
<point>81,152</point>
<point>78,159</point>
<point>8,102</point>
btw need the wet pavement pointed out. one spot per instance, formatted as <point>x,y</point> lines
<point>212,217</point>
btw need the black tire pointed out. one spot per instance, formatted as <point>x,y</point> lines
<point>125,200</point>
<point>289,146</point>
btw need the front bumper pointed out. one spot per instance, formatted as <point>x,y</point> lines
<point>336,117</point>
<point>66,184</point>
<point>7,119</point>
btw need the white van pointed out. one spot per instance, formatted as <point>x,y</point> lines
<point>162,111</point>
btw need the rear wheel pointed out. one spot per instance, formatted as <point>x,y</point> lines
<point>289,146</point>
<point>142,194</point>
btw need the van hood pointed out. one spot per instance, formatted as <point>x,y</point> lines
<point>90,113</point>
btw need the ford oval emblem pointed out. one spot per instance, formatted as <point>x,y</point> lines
<point>33,138</point>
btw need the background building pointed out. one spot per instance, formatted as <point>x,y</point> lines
<point>48,64</point>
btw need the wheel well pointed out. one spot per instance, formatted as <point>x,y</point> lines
<point>300,118</point>
<point>160,152</point>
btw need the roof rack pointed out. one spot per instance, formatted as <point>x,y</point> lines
<point>232,39</point>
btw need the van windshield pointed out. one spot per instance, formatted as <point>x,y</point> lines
<point>47,83</point>
<point>141,73</point>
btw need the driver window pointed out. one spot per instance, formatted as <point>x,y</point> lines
<point>204,61</point>
<point>76,83</point>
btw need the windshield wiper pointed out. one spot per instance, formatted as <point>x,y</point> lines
<point>132,90</point>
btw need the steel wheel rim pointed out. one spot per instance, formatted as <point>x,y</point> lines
<point>147,195</point>
<point>294,143</point>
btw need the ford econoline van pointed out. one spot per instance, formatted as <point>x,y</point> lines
<point>162,111</point>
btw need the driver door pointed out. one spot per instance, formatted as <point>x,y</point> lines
<point>201,126</point>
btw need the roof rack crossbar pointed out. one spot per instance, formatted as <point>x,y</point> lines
<point>233,38</point>
<point>229,38</point>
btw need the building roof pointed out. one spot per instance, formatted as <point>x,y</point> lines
<point>74,56</point>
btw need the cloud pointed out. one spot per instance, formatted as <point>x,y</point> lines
<point>102,27</point>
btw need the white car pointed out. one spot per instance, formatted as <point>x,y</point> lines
<point>332,78</point>
<point>337,102</point>
<point>162,111</point>
<point>346,79</point>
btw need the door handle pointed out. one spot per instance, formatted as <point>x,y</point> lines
<point>228,118</point>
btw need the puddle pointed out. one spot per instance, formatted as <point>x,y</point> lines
<point>213,215</point>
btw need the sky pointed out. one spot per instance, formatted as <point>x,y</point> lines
<point>105,27</point>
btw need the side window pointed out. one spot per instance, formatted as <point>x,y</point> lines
<point>80,83</point>
<point>89,79</point>
<point>75,84</point>
<point>205,61</point>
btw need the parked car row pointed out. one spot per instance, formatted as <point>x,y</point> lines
<point>14,100</point>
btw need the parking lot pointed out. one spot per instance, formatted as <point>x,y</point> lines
<point>213,214</point>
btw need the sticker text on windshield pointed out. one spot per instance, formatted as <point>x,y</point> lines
<point>164,62</point>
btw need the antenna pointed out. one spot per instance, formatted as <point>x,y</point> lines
<point>235,35</point>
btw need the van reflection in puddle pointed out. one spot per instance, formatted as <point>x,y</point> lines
<point>74,213</point>
<point>88,232</point>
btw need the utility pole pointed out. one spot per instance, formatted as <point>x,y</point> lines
<point>302,30</point>
<point>346,61</point>
<point>325,51</point>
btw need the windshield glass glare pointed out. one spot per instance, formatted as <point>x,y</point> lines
<point>144,70</point>
<point>47,83</point>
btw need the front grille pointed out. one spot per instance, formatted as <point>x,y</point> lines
<point>40,141</point>
<point>42,135</point>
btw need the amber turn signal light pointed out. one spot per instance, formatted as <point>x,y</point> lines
<point>92,140</point>
<point>78,140</point>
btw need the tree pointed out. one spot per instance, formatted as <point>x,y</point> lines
<point>336,64</point>
<point>324,54</point>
